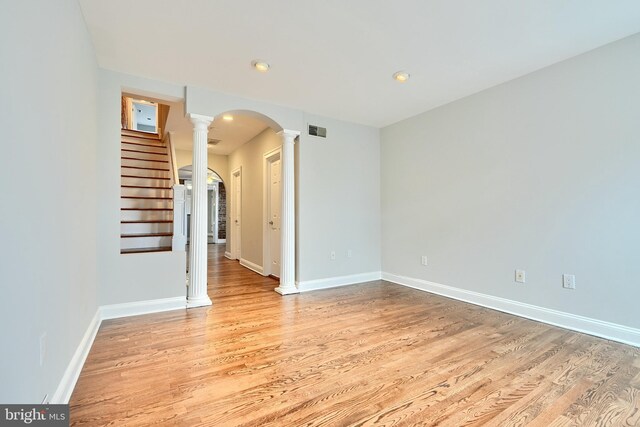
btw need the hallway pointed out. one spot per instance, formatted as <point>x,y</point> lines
<point>374,353</point>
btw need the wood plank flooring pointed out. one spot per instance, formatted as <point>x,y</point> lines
<point>371,354</point>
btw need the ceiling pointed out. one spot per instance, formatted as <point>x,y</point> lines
<point>335,58</point>
<point>231,134</point>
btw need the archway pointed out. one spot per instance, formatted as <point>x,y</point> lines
<point>197,295</point>
<point>216,203</point>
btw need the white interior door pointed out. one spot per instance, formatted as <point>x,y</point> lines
<point>275,197</point>
<point>236,214</point>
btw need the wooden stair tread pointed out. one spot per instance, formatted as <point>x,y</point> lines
<point>146,209</point>
<point>147,186</point>
<point>146,197</point>
<point>137,159</point>
<point>144,177</point>
<point>148,221</point>
<point>143,250</point>
<point>134,235</point>
<point>143,168</point>
<point>159,145</point>
<point>139,134</point>
<point>143,152</point>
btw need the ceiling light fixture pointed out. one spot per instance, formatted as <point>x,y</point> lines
<point>401,76</point>
<point>261,66</point>
<point>227,117</point>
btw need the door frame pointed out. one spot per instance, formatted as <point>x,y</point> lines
<point>268,158</point>
<point>235,232</point>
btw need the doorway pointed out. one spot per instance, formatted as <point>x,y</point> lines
<point>272,199</point>
<point>216,204</point>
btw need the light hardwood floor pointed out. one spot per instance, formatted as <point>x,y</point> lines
<point>370,354</point>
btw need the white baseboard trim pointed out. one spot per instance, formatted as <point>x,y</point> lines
<point>574,322</point>
<point>228,255</point>
<point>252,266</point>
<point>71,374</point>
<point>334,282</point>
<point>115,311</point>
<point>221,241</point>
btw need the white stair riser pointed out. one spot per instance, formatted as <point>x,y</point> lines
<point>144,173</point>
<point>146,182</point>
<point>146,156</point>
<point>154,149</point>
<point>145,163</point>
<point>144,242</point>
<point>146,192</point>
<point>146,215</point>
<point>146,227</point>
<point>143,203</point>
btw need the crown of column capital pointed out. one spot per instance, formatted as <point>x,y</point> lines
<point>289,135</point>
<point>200,122</point>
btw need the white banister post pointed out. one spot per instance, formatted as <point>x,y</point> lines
<point>179,213</point>
<point>287,217</point>
<point>197,291</point>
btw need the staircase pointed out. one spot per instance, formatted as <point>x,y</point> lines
<point>146,207</point>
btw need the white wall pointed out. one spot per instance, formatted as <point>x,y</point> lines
<point>250,157</point>
<point>541,173</point>
<point>216,162</point>
<point>339,200</point>
<point>48,212</point>
<point>131,277</point>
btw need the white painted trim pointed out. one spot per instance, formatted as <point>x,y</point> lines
<point>227,254</point>
<point>574,322</point>
<point>252,266</point>
<point>115,311</point>
<point>221,241</point>
<point>333,282</point>
<point>72,373</point>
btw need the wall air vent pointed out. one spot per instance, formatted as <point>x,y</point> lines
<point>212,142</point>
<point>317,131</point>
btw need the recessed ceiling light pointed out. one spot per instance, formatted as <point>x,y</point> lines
<point>401,76</point>
<point>261,66</point>
<point>227,117</point>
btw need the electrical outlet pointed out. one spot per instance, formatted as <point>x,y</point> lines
<point>349,253</point>
<point>521,276</point>
<point>568,281</point>
<point>332,255</point>
<point>43,347</point>
<point>423,261</point>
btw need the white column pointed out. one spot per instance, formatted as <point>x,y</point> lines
<point>287,218</point>
<point>197,291</point>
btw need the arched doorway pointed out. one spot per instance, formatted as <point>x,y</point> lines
<point>216,203</point>
<point>202,126</point>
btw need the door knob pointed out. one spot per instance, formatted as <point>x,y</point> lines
<point>270,222</point>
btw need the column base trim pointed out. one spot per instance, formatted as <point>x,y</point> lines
<point>286,290</point>
<point>198,302</point>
